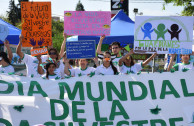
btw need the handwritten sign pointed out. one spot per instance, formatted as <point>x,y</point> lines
<point>4,31</point>
<point>36,27</point>
<point>80,49</point>
<point>87,22</point>
<point>35,52</point>
<point>164,35</point>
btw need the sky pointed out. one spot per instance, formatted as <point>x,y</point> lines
<point>59,6</point>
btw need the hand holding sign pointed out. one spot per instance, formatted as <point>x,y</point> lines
<point>4,31</point>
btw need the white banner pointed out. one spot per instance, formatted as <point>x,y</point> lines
<point>163,34</point>
<point>147,99</point>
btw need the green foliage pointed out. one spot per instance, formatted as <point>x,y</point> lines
<point>57,34</point>
<point>79,7</point>
<point>13,13</point>
<point>188,7</point>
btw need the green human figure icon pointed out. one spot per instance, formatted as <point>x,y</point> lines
<point>161,31</point>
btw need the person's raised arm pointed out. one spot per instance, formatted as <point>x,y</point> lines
<point>66,70</point>
<point>19,47</point>
<point>40,69</point>
<point>100,45</point>
<point>63,46</point>
<point>10,55</point>
<point>171,62</point>
<point>149,59</point>
<point>124,57</point>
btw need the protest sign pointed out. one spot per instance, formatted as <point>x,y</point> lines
<point>80,49</point>
<point>87,22</point>
<point>36,24</point>
<point>154,99</point>
<point>40,51</point>
<point>164,35</point>
<point>4,31</point>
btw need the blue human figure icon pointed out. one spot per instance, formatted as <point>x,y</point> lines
<point>147,30</point>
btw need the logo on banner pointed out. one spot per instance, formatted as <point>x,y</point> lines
<point>163,34</point>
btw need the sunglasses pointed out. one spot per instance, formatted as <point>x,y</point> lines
<point>52,53</point>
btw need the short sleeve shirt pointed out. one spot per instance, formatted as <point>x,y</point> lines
<point>79,72</point>
<point>7,69</point>
<point>181,66</point>
<point>31,65</point>
<point>51,77</point>
<point>116,62</point>
<point>101,70</point>
<point>133,69</point>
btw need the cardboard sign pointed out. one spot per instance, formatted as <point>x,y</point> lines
<point>36,26</point>
<point>80,49</point>
<point>154,99</point>
<point>4,31</point>
<point>40,51</point>
<point>164,35</point>
<point>87,22</point>
<point>139,56</point>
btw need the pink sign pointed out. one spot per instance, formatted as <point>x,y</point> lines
<point>87,22</point>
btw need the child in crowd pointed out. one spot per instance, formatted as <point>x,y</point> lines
<point>107,68</point>
<point>5,61</point>
<point>128,65</point>
<point>50,74</point>
<point>185,65</point>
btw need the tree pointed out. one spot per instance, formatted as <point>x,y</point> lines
<point>57,34</point>
<point>79,7</point>
<point>188,7</point>
<point>13,12</point>
<point>19,8</point>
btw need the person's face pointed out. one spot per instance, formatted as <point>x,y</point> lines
<point>53,54</point>
<point>51,69</point>
<point>83,63</point>
<point>107,58</point>
<point>185,58</point>
<point>115,49</point>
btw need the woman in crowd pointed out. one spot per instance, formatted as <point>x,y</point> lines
<point>50,74</point>
<point>54,57</point>
<point>185,65</point>
<point>5,61</point>
<point>107,68</point>
<point>128,65</point>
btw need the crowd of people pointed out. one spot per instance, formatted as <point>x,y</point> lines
<point>55,65</point>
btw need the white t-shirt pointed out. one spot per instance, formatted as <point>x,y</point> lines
<point>181,66</point>
<point>78,71</point>
<point>133,69</point>
<point>101,70</point>
<point>51,77</point>
<point>32,65</point>
<point>7,69</point>
<point>116,62</point>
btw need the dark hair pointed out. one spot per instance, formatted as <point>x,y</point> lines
<point>53,49</point>
<point>116,43</point>
<point>47,66</point>
<point>4,56</point>
<point>113,67</point>
<point>132,61</point>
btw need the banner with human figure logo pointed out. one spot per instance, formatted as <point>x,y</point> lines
<point>164,35</point>
<point>36,24</point>
<point>146,99</point>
